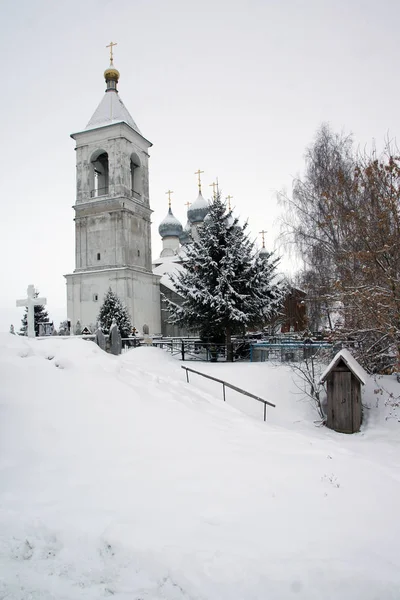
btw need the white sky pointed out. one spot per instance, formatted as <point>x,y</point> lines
<point>235,88</point>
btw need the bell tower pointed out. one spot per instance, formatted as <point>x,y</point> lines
<point>112,215</point>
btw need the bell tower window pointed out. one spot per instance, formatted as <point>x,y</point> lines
<point>99,174</point>
<point>135,177</point>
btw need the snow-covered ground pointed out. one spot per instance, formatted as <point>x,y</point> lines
<point>119,479</point>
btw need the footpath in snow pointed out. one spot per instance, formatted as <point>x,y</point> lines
<point>118,479</point>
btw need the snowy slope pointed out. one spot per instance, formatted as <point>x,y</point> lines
<point>117,478</point>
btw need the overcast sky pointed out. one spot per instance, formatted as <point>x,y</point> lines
<point>237,89</point>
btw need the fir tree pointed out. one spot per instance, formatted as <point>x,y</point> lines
<point>112,308</point>
<point>40,316</point>
<point>226,286</point>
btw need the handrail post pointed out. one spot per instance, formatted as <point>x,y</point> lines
<point>187,376</point>
<point>223,389</point>
<point>265,412</point>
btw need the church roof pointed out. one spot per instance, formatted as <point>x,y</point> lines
<point>170,265</point>
<point>111,110</point>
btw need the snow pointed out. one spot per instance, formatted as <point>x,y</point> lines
<point>350,361</point>
<point>170,265</point>
<point>111,110</point>
<point>118,478</point>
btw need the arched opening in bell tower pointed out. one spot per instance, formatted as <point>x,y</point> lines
<point>136,184</point>
<point>99,174</point>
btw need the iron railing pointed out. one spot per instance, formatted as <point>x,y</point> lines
<point>196,349</point>
<point>232,387</point>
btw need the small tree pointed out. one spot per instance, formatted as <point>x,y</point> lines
<point>112,308</point>
<point>40,316</point>
<point>226,286</point>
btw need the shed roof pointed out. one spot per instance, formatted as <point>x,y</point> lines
<point>350,361</point>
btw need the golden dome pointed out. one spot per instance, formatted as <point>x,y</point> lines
<point>111,73</point>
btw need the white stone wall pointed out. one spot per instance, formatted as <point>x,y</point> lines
<point>139,291</point>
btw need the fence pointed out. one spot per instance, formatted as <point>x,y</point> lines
<point>287,351</point>
<point>232,387</point>
<point>195,349</point>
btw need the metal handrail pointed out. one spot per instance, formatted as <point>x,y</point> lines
<point>232,387</point>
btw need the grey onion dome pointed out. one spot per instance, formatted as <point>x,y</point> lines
<point>184,238</point>
<point>263,253</point>
<point>170,226</point>
<point>198,210</point>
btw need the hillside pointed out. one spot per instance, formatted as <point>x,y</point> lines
<point>118,479</point>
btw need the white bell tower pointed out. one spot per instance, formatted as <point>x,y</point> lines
<point>112,216</point>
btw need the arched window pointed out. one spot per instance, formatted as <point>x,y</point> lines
<point>136,184</point>
<point>99,174</point>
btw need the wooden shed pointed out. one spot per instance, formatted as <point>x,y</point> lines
<point>344,377</point>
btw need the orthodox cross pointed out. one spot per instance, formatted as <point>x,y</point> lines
<point>263,237</point>
<point>30,302</point>
<point>110,45</point>
<point>198,173</point>
<point>214,185</point>
<point>169,197</point>
<point>229,198</point>
<point>187,204</point>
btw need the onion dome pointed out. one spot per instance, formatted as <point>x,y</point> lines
<point>170,226</point>
<point>198,210</point>
<point>263,253</point>
<point>111,75</point>
<point>185,236</point>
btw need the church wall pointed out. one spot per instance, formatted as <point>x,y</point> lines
<point>120,237</point>
<point>139,291</point>
<point>168,329</point>
<point>119,141</point>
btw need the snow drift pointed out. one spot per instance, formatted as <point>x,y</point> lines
<point>117,478</point>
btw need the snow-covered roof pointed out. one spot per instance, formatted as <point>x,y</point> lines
<point>111,110</point>
<point>167,268</point>
<point>350,361</point>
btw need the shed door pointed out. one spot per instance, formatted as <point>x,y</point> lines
<point>342,405</point>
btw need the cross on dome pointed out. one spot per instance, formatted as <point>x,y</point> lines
<point>111,45</point>
<point>198,173</point>
<point>214,185</point>
<point>169,197</point>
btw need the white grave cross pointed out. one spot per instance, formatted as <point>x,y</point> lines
<point>31,301</point>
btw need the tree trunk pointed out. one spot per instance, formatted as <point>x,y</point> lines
<point>228,342</point>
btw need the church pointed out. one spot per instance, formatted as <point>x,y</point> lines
<point>113,218</point>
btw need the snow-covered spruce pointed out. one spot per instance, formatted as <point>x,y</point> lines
<point>112,308</point>
<point>226,286</point>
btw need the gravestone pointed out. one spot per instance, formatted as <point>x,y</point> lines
<point>30,302</point>
<point>115,338</point>
<point>100,338</point>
